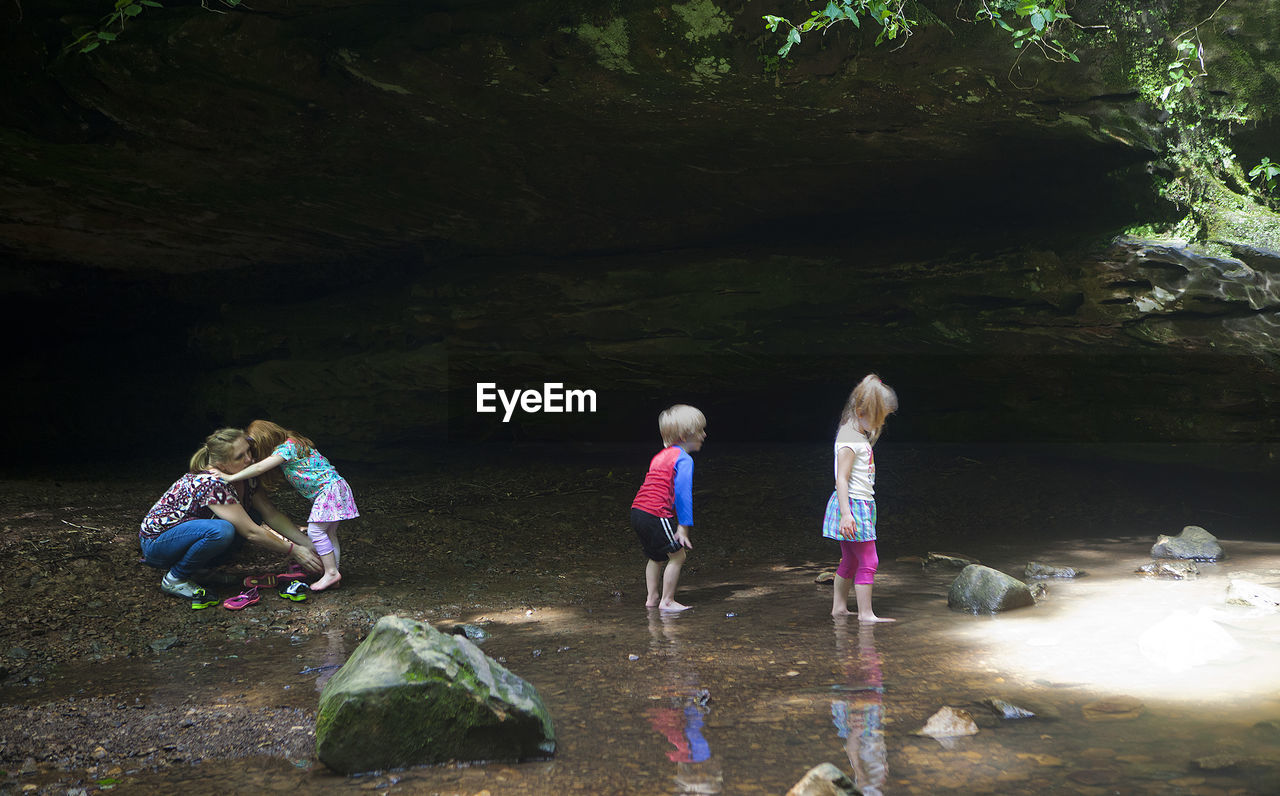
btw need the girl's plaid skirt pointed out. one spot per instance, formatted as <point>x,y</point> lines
<point>864,519</point>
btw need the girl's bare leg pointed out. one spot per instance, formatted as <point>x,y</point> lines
<point>840,596</point>
<point>862,592</point>
<point>331,575</point>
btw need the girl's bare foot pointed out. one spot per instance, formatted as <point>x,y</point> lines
<point>672,606</point>
<point>871,618</point>
<point>839,612</point>
<point>329,581</point>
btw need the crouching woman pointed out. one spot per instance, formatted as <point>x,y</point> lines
<point>201,521</point>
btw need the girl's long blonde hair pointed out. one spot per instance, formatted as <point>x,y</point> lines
<point>265,436</point>
<point>873,401</point>
<point>217,448</point>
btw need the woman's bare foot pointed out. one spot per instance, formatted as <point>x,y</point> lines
<point>331,580</point>
<point>872,618</point>
<point>672,606</point>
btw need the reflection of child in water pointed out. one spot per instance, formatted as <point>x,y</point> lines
<point>680,712</point>
<point>859,717</point>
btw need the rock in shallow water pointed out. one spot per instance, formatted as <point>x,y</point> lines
<point>411,695</point>
<point>1194,543</point>
<point>983,590</point>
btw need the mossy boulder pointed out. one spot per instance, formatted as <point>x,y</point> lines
<point>411,695</point>
<point>983,590</point>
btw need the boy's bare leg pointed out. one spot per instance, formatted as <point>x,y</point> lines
<point>840,596</point>
<point>653,582</point>
<point>670,578</point>
<point>862,593</point>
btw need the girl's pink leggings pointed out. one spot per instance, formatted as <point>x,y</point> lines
<point>319,533</point>
<point>858,560</point>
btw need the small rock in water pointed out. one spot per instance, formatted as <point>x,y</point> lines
<point>825,577</point>
<point>824,780</point>
<point>1176,570</point>
<point>162,644</point>
<point>949,722</point>
<point>1007,710</point>
<point>633,657</point>
<point>1120,708</point>
<point>1035,569</point>
<point>730,615</point>
<point>952,560</point>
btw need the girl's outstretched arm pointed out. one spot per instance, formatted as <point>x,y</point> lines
<point>254,470</point>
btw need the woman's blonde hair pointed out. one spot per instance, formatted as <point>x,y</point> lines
<point>680,422</point>
<point>218,447</point>
<point>873,401</point>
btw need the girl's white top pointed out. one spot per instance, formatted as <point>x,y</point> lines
<point>862,479</point>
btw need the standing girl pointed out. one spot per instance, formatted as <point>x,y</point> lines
<point>851,511</point>
<point>314,478</point>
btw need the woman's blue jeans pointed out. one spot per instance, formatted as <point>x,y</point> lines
<point>189,546</point>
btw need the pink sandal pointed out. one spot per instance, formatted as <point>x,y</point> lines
<point>254,581</point>
<point>242,600</point>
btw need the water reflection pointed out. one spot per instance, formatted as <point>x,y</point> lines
<point>681,709</point>
<point>859,712</point>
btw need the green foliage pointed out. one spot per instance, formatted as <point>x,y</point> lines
<point>104,34</point>
<point>112,25</point>
<point>1267,174</point>
<point>1183,71</point>
<point>890,15</point>
<point>1035,22</point>
<point>1038,24</point>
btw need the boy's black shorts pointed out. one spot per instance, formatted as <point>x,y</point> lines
<point>657,534</point>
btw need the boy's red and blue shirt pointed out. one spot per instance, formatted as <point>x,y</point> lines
<point>667,490</point>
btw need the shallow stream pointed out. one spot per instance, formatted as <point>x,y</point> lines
<point>756,684</point>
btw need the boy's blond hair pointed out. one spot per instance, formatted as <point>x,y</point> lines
<point>680,422</point>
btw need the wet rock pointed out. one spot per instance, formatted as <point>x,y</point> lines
<point>1225,760</point>
<point>983,590</point>
<point>1268,728</point>
<point>1121,708</point>
<point>1245,592</point>
<point>949,722</point>
<point>166,643</point>
<point>1193,543</point>
<point>1035,569</point>
<point>1007,710</point>
<point>825,577</point>
<point>411,695</point>
<point>1174,570</point>
<point>824,780</point>
<point>949,560</point>
<point>1039,591</point>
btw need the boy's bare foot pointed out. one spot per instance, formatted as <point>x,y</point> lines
<point>672,606</point>
<point>839,612</point>
<point>871,618</point>
<point>327,582</point>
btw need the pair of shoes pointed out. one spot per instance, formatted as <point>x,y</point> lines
<point>295,590</point>
<point>199,597</point>
<point>242,600</point>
